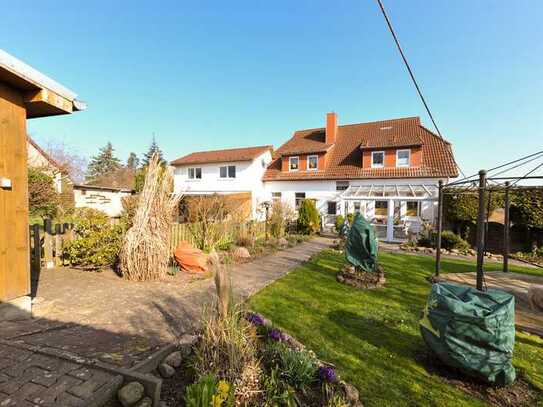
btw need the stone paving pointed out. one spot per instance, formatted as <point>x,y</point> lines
<point>32,378</point>
<point>99,316</point>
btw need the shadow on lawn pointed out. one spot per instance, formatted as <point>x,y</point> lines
<point>381,334</point>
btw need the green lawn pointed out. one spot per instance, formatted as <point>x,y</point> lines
<point>372,336</point>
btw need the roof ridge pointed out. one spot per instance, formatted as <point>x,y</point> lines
<point>358,124</point>
<point>230,149</point>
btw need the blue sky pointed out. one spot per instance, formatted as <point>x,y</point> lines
<point>214,74</point>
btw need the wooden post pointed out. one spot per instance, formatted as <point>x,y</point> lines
<point>36,256</point>
<point>58,245</point>
<point>48,244</point>
<point>506,226</point>
<point>439,226</point>
<point>481,230</point>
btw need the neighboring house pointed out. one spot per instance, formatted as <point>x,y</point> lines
<point>38,158</point>
<point>387,170</point>
<point>107,192</point>
<point>237,172</point>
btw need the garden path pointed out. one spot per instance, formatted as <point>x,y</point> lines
<point>100,316</point>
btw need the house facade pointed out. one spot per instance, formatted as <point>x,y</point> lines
<point>236,172</point>
<point>386,170</point>
<point>106,193</point>
<point>39,159</point>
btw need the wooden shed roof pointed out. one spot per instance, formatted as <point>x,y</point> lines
<point>42,95</point>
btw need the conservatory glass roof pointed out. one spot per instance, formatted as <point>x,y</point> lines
<point>391,191</point>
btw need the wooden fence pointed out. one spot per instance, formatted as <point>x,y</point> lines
<point>46,244</point>
<point>229,232</point>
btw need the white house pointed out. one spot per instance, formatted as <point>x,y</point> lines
<point>38,158</point>
<point>106,192</point>
<point>386,170</point>
<point>105,199</point>
<point>230,171</point>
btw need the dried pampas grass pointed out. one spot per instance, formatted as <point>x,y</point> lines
<point>145,253</point>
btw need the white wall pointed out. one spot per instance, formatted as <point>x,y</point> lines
<point>109,202</point>
<point>37,160</point>
<point>248,179</point>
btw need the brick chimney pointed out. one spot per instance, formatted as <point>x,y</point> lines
<point>331,128</point>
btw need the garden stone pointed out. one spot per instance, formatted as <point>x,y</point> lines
<point>186,343</point>
<point>282,242</point>
<point>145,402</point>
<point>351,393</point>
<point>174,359</point>
<point>166,370</point>
<point>535,297</point>
<point>455,251</point>
<point>213,258</point>
<point>241,253</point>
<point>130,394</point>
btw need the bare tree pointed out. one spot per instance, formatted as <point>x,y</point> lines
<point>68,159</point>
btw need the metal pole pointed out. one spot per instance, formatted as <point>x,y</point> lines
<point>439,225</point>
<point>481,230</point>
<point>506,226</point>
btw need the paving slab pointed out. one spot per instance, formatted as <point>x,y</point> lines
<point>100,317</point>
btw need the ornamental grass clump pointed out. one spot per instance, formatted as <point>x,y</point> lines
<point>146,248</point>
<point>228,345</point>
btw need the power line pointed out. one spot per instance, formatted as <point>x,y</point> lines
<point>391,29</point>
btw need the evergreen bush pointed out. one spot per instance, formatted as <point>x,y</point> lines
<point>308,217</point>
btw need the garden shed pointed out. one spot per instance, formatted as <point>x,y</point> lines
<point>24,94</point>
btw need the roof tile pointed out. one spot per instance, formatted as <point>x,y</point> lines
<point>218,156</point>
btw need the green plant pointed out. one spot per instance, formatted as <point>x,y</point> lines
<point>308,217</point>
<point>450,240</point>
<point>97,242</point>
<point>350,217</point>
<point>298,368</point>
<point>209,392</point>
<point>425,242</point>
<point>227,348</point>
<point>277,392</point>
<point>43,200</point>
<point>340,220</point>
<point>281,213</point>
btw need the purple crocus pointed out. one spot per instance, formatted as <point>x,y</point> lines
<point>255,319</point>
<point>327,374</point>
<point>276,335</point>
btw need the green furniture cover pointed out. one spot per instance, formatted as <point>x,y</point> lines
<point>471,330</point>
<point>361,245</point>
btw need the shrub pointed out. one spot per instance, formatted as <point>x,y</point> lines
<point>308,217</point>
<point>97,242</point>
<point>425,242</point>
<point>281,214</point>
<point>340,220</point>
<point>43,200</point>
<point>450,240</point>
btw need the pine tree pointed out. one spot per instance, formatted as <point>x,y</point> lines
<point>133,161</point>
<point>154,148</point>
<point>102,163</point>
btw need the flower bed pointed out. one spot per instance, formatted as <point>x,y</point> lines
<point>242,359</point>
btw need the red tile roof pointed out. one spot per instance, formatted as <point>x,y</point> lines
<point>344,159</point>
<point>219,156</point>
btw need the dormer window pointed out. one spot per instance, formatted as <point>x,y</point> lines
<point>312,162</point>
<point>403,158</point>
<point>377,159</point>
<point>293,163</point>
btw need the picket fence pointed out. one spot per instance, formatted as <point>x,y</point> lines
<point>229,232</point>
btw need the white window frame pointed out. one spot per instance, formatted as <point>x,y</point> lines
<point>276,196</point>
<point>194,178</point>
<point>377,165</point>
<point>289,161</point>
<point>227,171</point>
<point>419,209</point>
<point>307,163</point>
<point>408,158</point>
